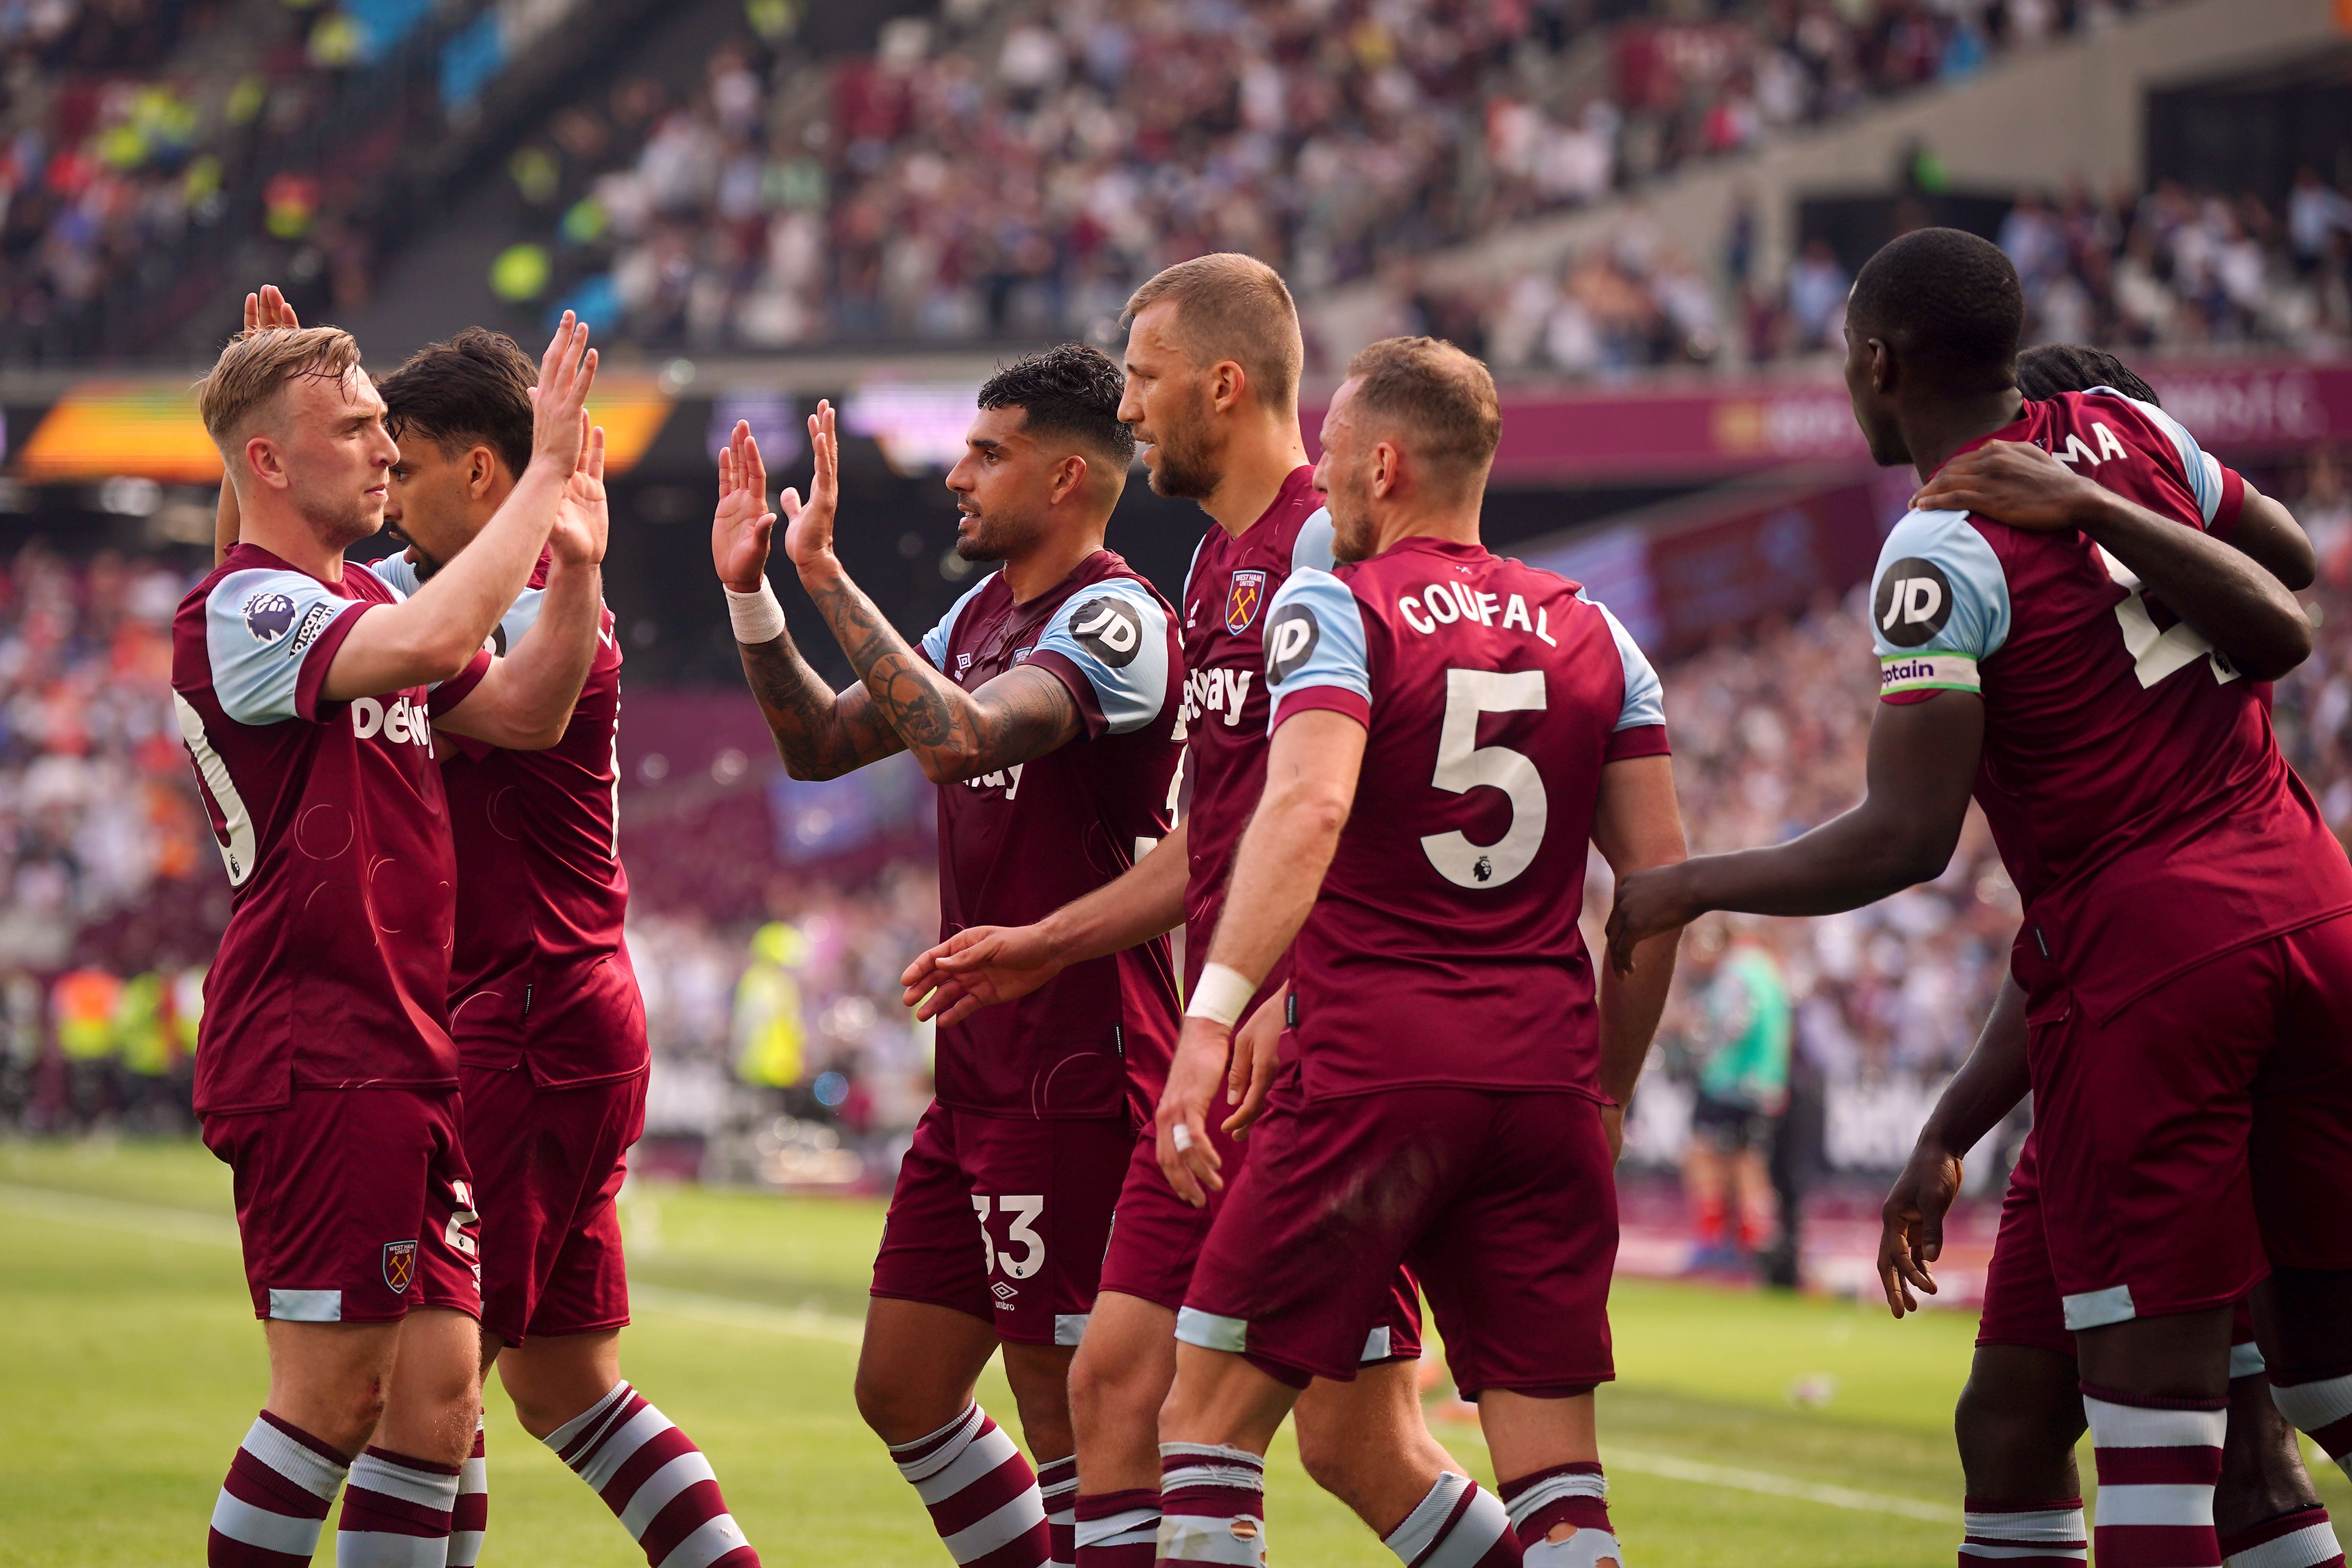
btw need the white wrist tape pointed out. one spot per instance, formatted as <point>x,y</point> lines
<point>1221,996</point>
<point>758,617</point>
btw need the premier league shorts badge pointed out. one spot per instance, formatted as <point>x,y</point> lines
<point>399,1266</point>
<point>1243,599</point>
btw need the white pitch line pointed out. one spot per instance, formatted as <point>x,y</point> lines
<point>1765,1483</point>
<point>211,1230</point>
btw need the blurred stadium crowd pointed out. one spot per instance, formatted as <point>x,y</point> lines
<point>997,179</point>
<point>114,895</point>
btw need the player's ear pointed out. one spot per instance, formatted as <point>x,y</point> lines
<point>481,470</point>
<point>1227,384</point>
<point>265,462</point>
<point>1070,478</point>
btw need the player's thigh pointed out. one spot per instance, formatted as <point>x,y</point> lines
<point>1040,1378</point>
<point>1517,1262</point>
<point>2303,1107</point>
<point>2143,1122</point>
<point>1126,1360</point>
<point>1301,1266</point>
<point>1372,1421</point>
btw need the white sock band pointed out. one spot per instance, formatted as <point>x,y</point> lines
<point>757,617</point>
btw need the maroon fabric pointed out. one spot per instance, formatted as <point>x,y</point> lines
<point>2149,820</point>
<point>1396,955</point>
<point>354,1191</point>
<point>2194,1140</point>
<point>1105,1505</point>
<point>1503,1204</point>
<point>1016,846</point>
<point>540,976</point>
<point>334,969</point>
<point>549,1164</point>
<point>370,1513</point>
<point>1029,1260</point>
<point>1226,594</point>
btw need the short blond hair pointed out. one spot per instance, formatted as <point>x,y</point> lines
<point>1446,397</point>
<point>1233,307</point>
<point>258,365</point>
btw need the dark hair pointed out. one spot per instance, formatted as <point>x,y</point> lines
<point>2052,368</point>
<point>474,387</point>
<point>1072,390</point>
<point>1948,302</point>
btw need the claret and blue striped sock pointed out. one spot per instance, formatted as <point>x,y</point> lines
<point>1573,1494</point>
<point>274,1501</point>
<point>471,1520</point>
<point>1058,1489</point>
<point>654,1480</point>
<point>1119,1530</point>
<point>2303,1537</point>
<point>396,1512</point>
<point>983,1496</point>
<point>2320,1408</point>
<point>2002,1534</point>
<point>1212,1507</point>
<point>2159,1460</point>
<point>1457,1525</point>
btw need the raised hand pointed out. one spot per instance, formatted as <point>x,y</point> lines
<point>2013,482</point>
<point>742,527</point>
<point>978,967</point>
<point>267,310</point>
<point>583,520</point>
<point>808,526</point>
<point>559,401</point>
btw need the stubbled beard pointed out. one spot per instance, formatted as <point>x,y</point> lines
<point>1184,470</point>
<point>997,539</point>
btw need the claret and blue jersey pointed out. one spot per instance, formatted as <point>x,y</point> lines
<point>2129,772</point>
<point>1445,948</point>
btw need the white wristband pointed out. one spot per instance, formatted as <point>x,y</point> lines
<point>758,617</point>
<point>1221,996</point>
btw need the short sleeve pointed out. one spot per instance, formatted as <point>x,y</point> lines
<point>270,638</point>
<point>1312,549</point>
<point>934,645</point>
<point>1940,606</point>
<point>1641,728</point>
<point>398,572</point>
<point>1108,644</point>
<point>1316,655</point>
<point>2206,479</point>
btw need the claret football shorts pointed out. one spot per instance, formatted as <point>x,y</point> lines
<point>356,1204</point>
<point>548,1164</point>
<point>2021,1305</point>
<point>1505,1205</point>
<point>1155,1242</point>
<point>1005,1217</point>
<point>2201,1134</point>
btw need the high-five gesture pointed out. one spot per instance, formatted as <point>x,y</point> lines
<point>808,526</point>
<point>742,527</point>
<point>582,518</point>
<point>559,401</point>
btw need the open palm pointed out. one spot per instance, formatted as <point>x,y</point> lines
<point>583,520</point>
<point>741,526</point>
<point>808,525</point>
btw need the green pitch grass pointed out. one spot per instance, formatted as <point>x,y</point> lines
<point>133,1365</point>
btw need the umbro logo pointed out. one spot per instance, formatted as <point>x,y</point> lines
<point>1003,1291</point>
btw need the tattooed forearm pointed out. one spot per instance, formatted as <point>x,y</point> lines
<point>954,733</point>
<point>819,735</point>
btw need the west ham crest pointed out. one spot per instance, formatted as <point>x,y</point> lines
<point>399,1266</point>
<point>1243,599</point>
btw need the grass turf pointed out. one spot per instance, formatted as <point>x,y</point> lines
<point>132,1356</point>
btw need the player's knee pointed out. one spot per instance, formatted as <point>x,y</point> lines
<point>2010,1448</point>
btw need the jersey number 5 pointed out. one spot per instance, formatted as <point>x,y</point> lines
<point>2158,653</point>
<point>1463,765</point>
